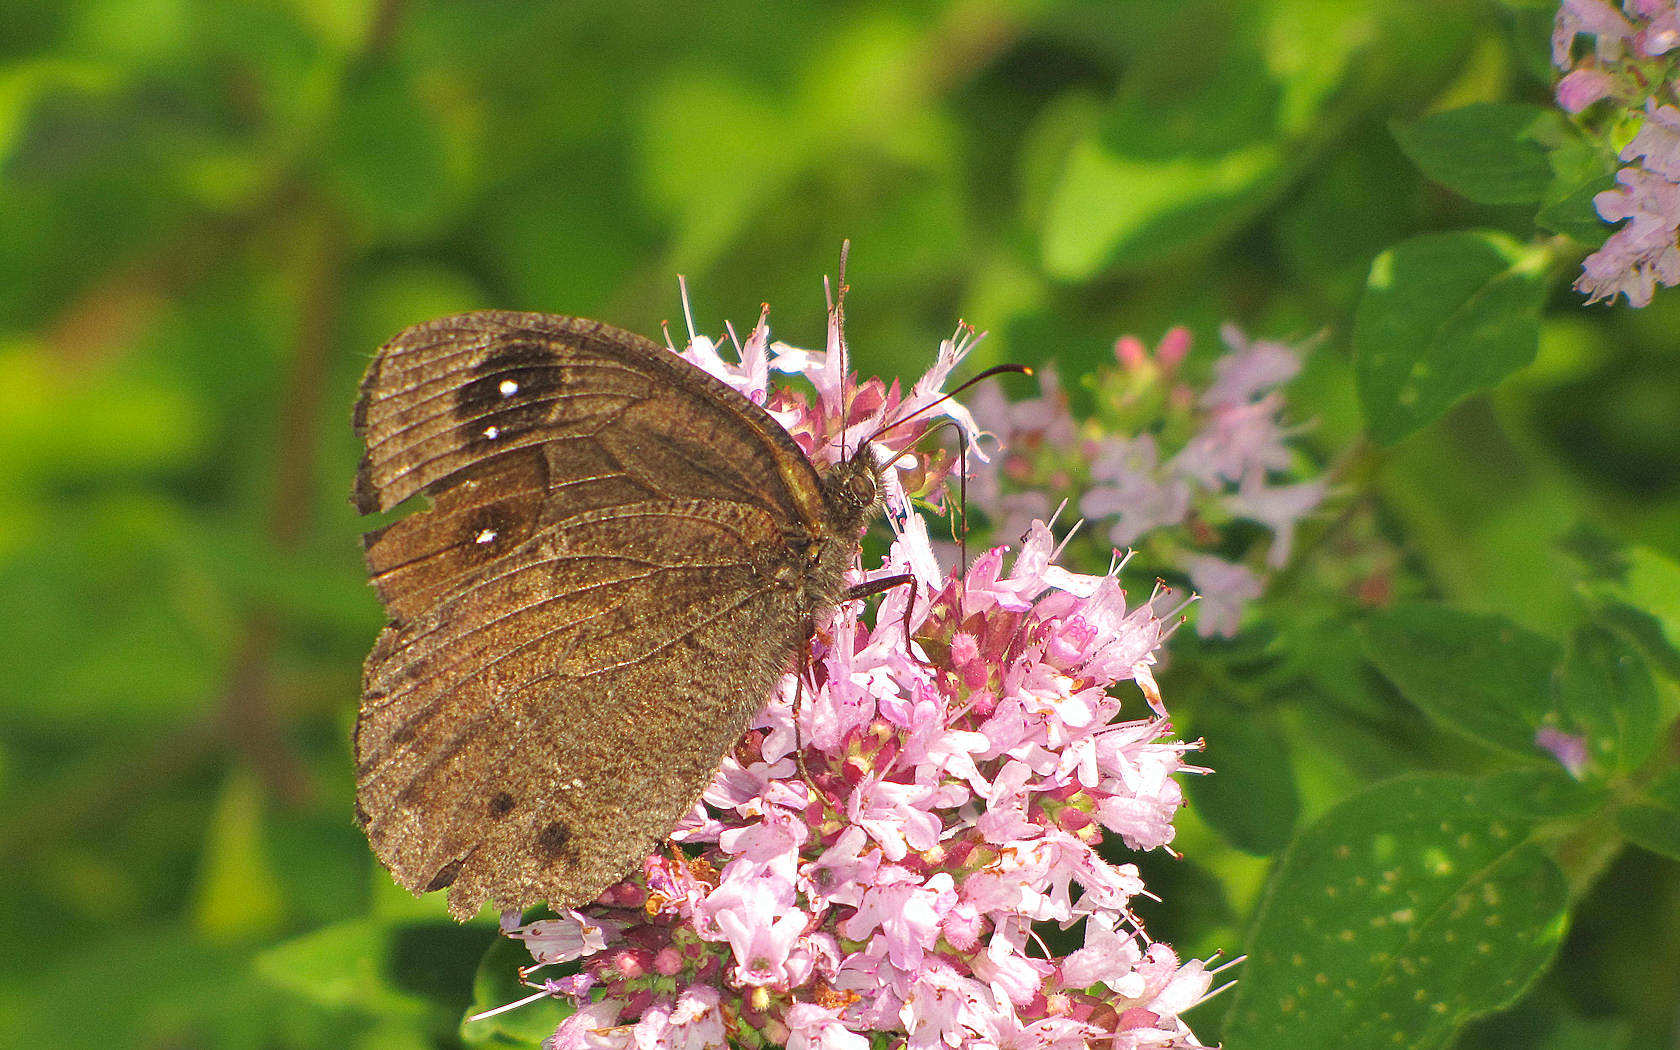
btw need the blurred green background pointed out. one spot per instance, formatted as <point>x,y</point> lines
<point>212,212</point>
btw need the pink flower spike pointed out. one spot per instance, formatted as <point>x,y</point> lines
<point>962,738</point>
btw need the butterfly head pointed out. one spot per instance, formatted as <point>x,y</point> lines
<point>853,491</point>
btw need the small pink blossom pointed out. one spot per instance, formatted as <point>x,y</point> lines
<point>1597,17</point>
<point>571,936</point>
<point>1569,750</point>
<point>1660,32</point>
<point>1253,367</point>
<point>592,1027</point>
<point>1658,141</point>
<point>904,912</point>
<point>814,1027</point>
<point>1134,489</point>
<point>1279,508</point>
<point>895,815</point>
<point>1644,252</point>
<point>1582,87</point>
<point>1223,589</point>
<point>1108,956</point>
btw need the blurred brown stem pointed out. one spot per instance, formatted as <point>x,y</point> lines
<point>248,716</point>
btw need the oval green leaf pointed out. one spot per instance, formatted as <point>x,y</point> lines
<point>1402,914</point>
<point>1443,315</point>
<point>1490,152</point>
<point>1482,676</point>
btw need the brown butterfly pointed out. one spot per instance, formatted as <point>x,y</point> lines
<point>621,558</point>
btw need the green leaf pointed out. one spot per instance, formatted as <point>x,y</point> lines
<point>164,633</point>
<point>698,113</point>
<point>1544,793</point>
<point>1193,140</point>
<point>1655,824</point>
<point>1403,913</point>
<point>148,984</point>
<point>390,156</point>
<point>1650,585</point>
<point>1443,315</point>
<point>125,421</point>
<point>1479,675</point>
<point>1582,169</point>
<point>1655,828</point>
<point>409,970</point>
<point>1110,208</point>
<point>238,894</point>
<point>1605,690</point>
<point>1251,796</point>
<point>1490,152</point>
<point>497,984</point>
<point>24,83</point>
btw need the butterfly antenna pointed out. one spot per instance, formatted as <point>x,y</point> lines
<point>995,370</point>
<point>962,466</point>
<point>839,307</point>
<point>962,498</point>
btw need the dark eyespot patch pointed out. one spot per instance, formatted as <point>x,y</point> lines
<point>501,804</point>
<point>555,841</point>
<point>446,874</point>
<point>510,393</point>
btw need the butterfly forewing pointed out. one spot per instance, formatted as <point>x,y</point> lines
<point>611,577</point>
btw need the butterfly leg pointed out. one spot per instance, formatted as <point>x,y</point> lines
<point>887,583</point>
<point>798,740</point>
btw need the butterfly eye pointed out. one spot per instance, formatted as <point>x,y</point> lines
<point>861,489</point>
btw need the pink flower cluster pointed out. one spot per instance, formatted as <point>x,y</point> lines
<point>1633,63</point>
<point>967,764</point>
<point>1165,464</point>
